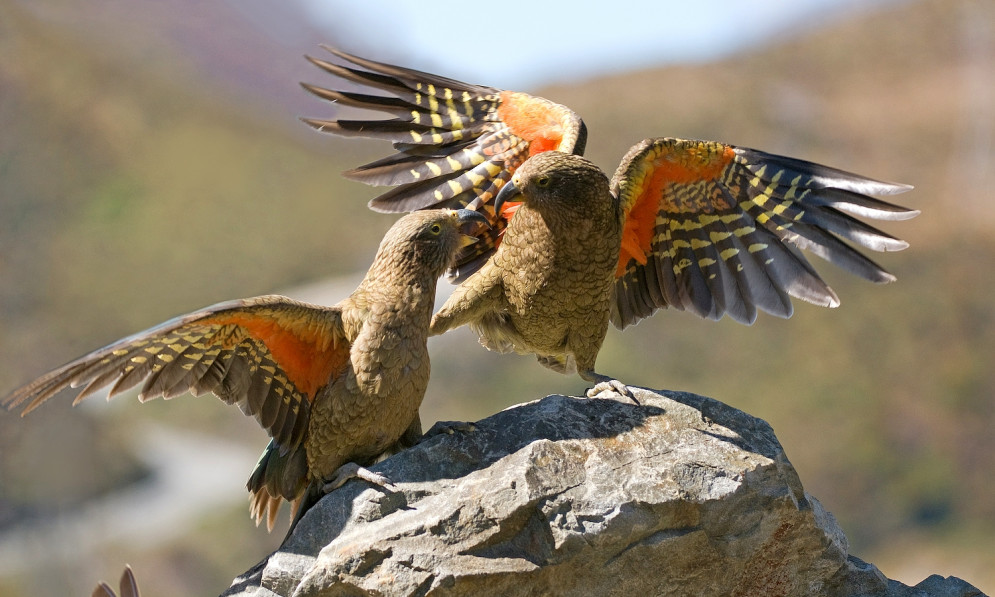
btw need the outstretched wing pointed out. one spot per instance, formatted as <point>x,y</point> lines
<point>456,143</point>
<point>269,355</point>
<point>716,229</point>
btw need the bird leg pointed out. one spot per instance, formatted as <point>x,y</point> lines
<point>603,382</point>
<point>470,301</point>
<point>351,470</point>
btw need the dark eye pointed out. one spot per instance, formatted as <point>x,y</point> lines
<point>436,229</point>
<point>542,182</point>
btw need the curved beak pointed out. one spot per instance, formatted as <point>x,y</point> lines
<point>468,220</point>
<point>468,216</point>
<point>509,192</point>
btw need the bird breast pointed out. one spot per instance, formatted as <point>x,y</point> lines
<point>370,406</point>
<point>556,277</point>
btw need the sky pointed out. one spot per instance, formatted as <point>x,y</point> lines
<point>577,38</point>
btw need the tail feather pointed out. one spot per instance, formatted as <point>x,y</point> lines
<point>279,475</point>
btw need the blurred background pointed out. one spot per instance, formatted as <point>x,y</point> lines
<point>151,163</point>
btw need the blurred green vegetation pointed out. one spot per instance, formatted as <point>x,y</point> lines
<point>129,195</point>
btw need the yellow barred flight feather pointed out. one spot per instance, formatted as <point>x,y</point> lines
<point>709,227</point>
<point>220,349</point>
<point>457,144</point>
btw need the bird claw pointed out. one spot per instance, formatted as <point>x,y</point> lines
<point>351,470</point>
<point>612,385</point>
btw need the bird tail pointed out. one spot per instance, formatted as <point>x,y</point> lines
<point>279,475</point>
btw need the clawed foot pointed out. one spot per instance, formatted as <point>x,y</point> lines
<point>352,470</point>
<point>605,383</point>
<point>448,428</point>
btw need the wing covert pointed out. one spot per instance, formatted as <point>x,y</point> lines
<point>268,355</point>
<point>716,229</point>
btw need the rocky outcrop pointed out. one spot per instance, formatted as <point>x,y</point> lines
<point>676,495</point>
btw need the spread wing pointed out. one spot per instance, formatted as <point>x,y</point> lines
<point>716,229</point>
<point>269,355</point>
<point>456,143</point>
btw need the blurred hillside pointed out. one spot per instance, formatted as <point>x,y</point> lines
<point>140,179</point>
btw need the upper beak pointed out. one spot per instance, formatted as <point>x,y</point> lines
<point>507,193</point>
<point>467,219</point>
<point>467,216</point>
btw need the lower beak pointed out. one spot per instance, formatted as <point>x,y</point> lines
<point>470,220</point>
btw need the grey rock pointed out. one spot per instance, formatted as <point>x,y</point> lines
<point>676,495</point>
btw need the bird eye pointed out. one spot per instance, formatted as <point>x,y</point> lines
<point>435,229</point>
<point>542,182</point>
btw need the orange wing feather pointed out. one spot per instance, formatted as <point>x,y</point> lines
<point>540,122</point>
<point>686,165</point>
<point>307,356</point>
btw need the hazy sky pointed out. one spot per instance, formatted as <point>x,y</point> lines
<point>519,44</point>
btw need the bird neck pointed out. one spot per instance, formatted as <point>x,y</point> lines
<point>398,281</point>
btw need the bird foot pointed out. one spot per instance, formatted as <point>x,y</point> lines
<point>608,384</point>
<point>351,470</point>
<point>448,428</point>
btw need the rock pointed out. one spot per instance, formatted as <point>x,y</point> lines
<point>678,495</point>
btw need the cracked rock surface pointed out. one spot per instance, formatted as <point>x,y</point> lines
<point>678,495</point>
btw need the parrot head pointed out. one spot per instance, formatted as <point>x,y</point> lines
<point>433,237</point>
<point>554,181</point>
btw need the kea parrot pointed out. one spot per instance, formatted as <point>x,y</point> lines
<point>335,387</point>
<point>692,225</point>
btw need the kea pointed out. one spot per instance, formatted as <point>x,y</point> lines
<point>693,225</point>
<point>335,387</point>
